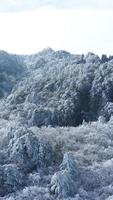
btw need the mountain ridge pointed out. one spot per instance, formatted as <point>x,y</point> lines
<point>63,88</point>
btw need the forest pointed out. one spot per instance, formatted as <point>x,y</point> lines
<point>56,126</point>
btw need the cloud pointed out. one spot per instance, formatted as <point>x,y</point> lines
<point>77,31</point>
<point>24,5</point>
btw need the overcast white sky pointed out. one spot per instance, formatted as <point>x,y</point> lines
<point>78,26</point>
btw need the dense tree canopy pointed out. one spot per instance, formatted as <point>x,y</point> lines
<point>56,88</point>
<point>43,156</point>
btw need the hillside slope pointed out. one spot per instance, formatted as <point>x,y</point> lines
<point>57,88</point>
<point>56,126</point>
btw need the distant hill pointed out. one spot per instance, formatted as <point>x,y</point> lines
<point>56,87</point>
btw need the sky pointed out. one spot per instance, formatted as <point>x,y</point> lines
<point>78,26</point>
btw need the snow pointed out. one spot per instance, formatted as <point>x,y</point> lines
<point>56,126</point>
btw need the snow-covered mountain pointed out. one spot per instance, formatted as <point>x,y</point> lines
<point>56,88</point>
<point>11,71</point>
<point>56,126</point>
